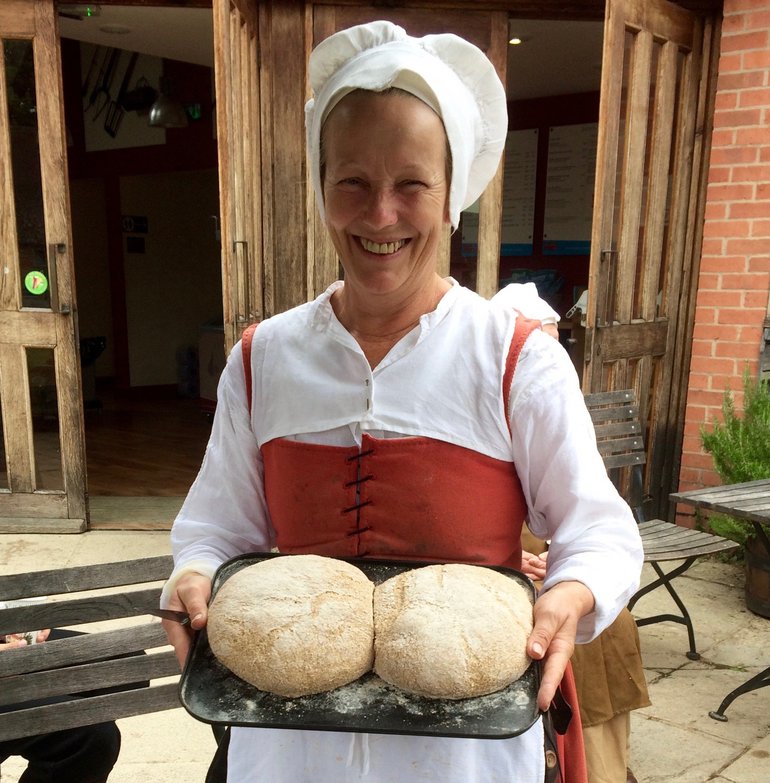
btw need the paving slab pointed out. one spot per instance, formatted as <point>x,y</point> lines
<point>753,766</point>
<point>674,740</point>
<point>662,752</point>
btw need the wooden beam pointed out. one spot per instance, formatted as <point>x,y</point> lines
<point>627,341</point>
<point>578,10</point>
<point>18,525</point>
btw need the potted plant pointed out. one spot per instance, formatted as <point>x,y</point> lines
<point>740,448</point>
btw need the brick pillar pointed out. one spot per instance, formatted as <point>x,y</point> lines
<point>734,280</point>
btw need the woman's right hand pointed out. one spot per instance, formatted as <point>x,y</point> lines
<point>192,596</point>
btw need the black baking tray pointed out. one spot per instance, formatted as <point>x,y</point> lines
<point>213,694</point>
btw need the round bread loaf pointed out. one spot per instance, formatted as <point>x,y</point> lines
<point>294,625</point>
<point>451,631</point>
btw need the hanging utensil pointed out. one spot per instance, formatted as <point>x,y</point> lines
<point>99,78</point>
<point>115,111</point>
<point>101,95</point>
<point>90,74</point>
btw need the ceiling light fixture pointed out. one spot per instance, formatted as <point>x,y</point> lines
<point>167,112</point>
<point>516,40</point>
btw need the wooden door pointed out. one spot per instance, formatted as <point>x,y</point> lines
<point>488,30</point>
<point>239,128</point>
<point>42,463</point>
<point>645,206</point>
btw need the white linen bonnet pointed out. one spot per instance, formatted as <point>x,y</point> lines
<point>454,77</point>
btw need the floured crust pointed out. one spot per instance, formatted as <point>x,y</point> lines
<point>451,631</point>
<point>294,625</point>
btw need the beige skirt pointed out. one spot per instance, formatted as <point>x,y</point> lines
<point>609,674</point>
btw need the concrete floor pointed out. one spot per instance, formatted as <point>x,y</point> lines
<point>673,741</point>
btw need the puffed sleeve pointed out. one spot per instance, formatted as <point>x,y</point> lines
<point>593,535</point>
<point>224,513</point>
<point>524,298</point>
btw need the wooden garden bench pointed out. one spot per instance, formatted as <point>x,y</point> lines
<point>108,672</point>
<point>619,437</point>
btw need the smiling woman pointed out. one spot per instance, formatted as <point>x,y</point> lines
<point>400,416</point>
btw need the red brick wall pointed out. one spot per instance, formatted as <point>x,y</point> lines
<point>734,281</point>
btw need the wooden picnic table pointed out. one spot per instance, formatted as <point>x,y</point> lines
<point>749,501</point>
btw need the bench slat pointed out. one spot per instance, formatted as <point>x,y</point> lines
<point>90,577</point>
<point>81,649</point>
<point>624,460</point>
<point>625,412</point>
<point>95,676</point>
<point>86,712</point>
<point>614,429</point>
<point>631,445</point>
<point>617,397</point>
<point>76,611</point>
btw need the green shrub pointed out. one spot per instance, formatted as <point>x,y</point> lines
<point>740,448</point>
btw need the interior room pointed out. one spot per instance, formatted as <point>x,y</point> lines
<point>142,159</point>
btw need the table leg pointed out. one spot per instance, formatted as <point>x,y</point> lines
<point>664,580</point>
<point>760,680</point>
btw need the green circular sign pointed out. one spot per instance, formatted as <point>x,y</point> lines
<point>36,282</point>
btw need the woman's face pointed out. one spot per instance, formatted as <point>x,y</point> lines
<point>385,190</point>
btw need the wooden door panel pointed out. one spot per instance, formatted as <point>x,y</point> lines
<point>16,21</point>
<point>236,57</point>
<point>39,331</point>
<point>657,191</point>
<point>38,341</point>
<point>661,19</point>
<point>633,275</point>
<point>285,204</point>
<point>641,262</point>
<point>18,448</point>
<point>634,341</point>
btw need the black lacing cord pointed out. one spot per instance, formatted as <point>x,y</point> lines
<point>360,455</point>
<point>357,482</point>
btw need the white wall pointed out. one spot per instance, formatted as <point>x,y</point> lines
<point>92,272</point>
<point>175,285</point>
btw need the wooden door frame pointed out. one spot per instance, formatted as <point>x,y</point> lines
<point>654,338</point>
<point>26,507</point>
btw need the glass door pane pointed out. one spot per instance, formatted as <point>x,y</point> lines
<point>44,403</point>
<point>25,166</point>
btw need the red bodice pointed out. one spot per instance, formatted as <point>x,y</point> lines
<point>402,498</point>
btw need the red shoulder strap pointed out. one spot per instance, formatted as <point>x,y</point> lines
<point>523,329</point>
<point>246,339</point>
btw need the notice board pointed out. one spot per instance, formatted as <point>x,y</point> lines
<point>569,189</point>
<point>518,212</point>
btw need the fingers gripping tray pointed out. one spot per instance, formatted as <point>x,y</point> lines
<point>213,694</point>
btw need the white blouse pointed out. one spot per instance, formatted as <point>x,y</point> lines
<point>312,382</point>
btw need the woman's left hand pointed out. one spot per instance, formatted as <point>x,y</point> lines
<point>533,565</point>
<point>552,640</point>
